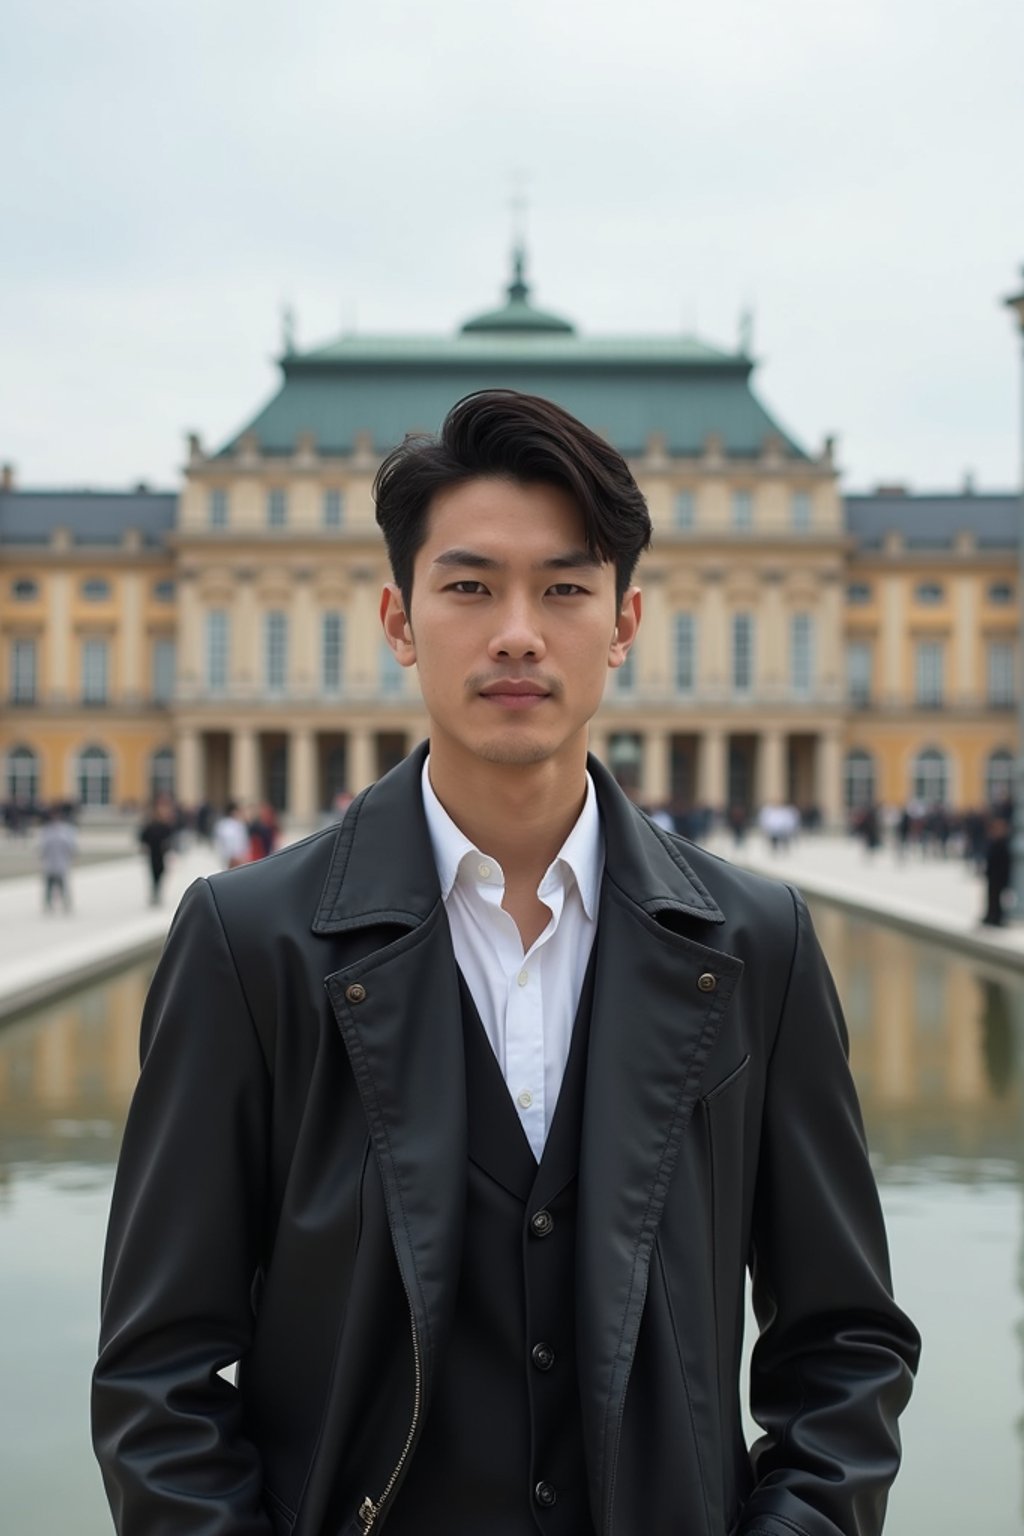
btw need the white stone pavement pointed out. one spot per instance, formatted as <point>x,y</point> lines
<point>112,924</point>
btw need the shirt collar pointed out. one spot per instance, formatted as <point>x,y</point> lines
<point>582,853</point>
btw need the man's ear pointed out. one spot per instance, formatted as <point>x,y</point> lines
<point>397,628</point>
<point>626,626</point>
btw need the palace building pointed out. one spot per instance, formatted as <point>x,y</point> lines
<point>224,640</point>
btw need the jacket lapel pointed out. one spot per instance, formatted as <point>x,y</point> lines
<point>399,1013</point>
<point>659,997</point>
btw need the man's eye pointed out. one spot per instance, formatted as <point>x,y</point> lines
<point>566,589</point>
<point>473,588</point>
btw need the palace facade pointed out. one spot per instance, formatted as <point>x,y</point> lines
<point>224,640</point>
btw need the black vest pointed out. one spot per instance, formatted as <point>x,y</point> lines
<point>501,1452</point>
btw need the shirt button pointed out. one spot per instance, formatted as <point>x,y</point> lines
<point>523,978</point>
<point>543,1356</point>
<point>542,1223</point>
<point>545,1495</point>
<point>525,1098</point>
<point>484,871</point>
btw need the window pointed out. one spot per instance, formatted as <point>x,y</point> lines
<point>163,592</point>
<point>217,636</point>
<point>391,679</point>
<point>161,772</point>
<point>1000,594</point>
<point>162,681</point>
<point>24,590</point>
<point>928,666</point>
<point>685,670</point>
<point>22,775</point>
<point>217,507</point>
<point>332,652</point>
<point>1000,673</point>
<point>683,510</point>
<point>94,776</point>
<point>95,678</point>
<point>96,590</point>
<point>626,758</point>
<point>929,593</point>
<point>801,509</point>
<point>275,651</point>
<point>23,672</point>
<point>858,593</point>
<point>858,673</point>
<point>858,779</point>
<point>742,651</point>
<point>930,777</point>
<point>277,508</point>
<point>742,509</point>
<point>801,652</point>
<point>334,509</point>
<point>999,776</point>
<point>624,677</point>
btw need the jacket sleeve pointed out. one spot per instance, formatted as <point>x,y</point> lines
<point>182,1251</point>
<point>832,1367</point>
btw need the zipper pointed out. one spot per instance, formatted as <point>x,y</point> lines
<point>368,1510</point>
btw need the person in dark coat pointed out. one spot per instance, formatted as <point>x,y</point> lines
<point>157,838</point>
<point>998,863</point>
<point>461,1122</point>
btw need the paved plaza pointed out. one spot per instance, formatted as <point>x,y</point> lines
<point>111,922</point>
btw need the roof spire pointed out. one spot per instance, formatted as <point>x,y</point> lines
<point>519,288</point>
<point>518,203</point>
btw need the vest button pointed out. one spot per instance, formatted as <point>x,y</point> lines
<point>543,1356</point>
<point>541,1224</point>
<point>545,1495</point>
<point>707,982</point>
<point>356,993</point>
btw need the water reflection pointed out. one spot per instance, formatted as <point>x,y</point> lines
<point>936,1046</point>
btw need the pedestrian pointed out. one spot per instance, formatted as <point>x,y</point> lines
<point>231,837</point>
<point>157,837</point>
<point>58,844</point>
<point>264,831</point>
<point>998,864</point>
<point>458,1123</point>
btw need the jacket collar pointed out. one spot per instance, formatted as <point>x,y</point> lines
<point>382,870</point>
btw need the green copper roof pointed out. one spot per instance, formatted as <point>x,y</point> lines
<point>626,387</point>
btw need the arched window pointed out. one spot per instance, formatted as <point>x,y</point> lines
<point>999,776</point>
<point>22,775</point>
<point>94,776</point>
<point>25,590</point>
<point>930,776</point>
<point>161,772</point>
<point>96,590</point>
<point>858,779</point>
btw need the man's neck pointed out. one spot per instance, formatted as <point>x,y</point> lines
<point>519,814</point>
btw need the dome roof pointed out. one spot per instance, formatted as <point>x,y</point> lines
<point>518,314</point>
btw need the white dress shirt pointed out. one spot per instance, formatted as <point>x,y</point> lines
<point>527,1001</point>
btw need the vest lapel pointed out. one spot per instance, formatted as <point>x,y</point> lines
<point>561,1159</point>
<point>497,1141</point>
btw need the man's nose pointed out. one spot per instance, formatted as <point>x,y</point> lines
<point>517,634</point>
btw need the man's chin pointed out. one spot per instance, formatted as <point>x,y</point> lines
<point>514,754</point>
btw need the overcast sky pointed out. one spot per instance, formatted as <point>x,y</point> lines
<point>851,170</point>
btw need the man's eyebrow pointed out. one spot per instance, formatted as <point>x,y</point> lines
<point>571,560</point>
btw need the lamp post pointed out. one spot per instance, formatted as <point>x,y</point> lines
<point>1016,303</point>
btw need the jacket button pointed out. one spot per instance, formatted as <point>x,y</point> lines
<point>541,1224</point>
<point>707,982</point>
<point>356,993</point>
<point>545,1495</point>
<point>543,1356</point>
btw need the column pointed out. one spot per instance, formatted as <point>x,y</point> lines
<point>713,640</point>
<point>712,786</point>
<point>244,775</point>
<point>362,766</point>
<point>829,778</point>
<point>303,661</point>
<point>58,634</point>
<point>771,765</point>
<point>189,635</point>
<point>828,664</point>
<point>363,637</point>
<point>186,767</point>
<point>246,673</point>
<point>771,642</point>
<point>131,638</point>
<point>653,649</point>
<point>654,785</point>
<point>968,677</point>
<point>301,786</point>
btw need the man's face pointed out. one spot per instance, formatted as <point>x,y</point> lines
<point>513,625</point>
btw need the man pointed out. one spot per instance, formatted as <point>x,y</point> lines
<point>231,837</point>
<point>459,1123</point>
<point>58,845</point>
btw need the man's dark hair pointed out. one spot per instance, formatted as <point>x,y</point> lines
<point>502,434</point>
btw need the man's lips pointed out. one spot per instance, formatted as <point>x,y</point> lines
<point>515,694</point>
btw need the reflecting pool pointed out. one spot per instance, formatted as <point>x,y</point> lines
<point>937,1044</point>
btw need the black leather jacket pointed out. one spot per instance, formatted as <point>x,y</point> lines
<point>291,1188</point>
